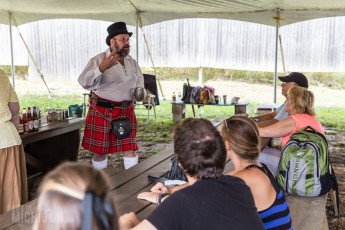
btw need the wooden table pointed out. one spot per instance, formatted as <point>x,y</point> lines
<point>126,184</point>
<point>306,212</point>
<point>179,108</point>
<point>52,144</point>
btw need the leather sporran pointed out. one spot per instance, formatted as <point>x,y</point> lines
<point>121,128</point>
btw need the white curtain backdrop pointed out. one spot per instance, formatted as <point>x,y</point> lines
<point>62,47</point>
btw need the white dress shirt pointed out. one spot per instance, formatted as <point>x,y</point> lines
<point>116,82</point>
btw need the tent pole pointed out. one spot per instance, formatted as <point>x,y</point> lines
<point>137,37</point>
<point>150,55</point>
<point>32,57</point>
<point>282,53</point>
<point>13,70</point>
<point>276,55</point>
<point>153,64</point>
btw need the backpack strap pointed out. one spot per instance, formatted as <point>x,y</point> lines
<point>335,189</point>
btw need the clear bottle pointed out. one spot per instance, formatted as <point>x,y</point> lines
<point>179,97</point>
<point>174,97</point>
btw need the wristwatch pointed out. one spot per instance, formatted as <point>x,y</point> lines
<point>160,197</point>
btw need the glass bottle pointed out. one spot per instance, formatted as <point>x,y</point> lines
<point>25,121</point>
<point>20,126</point>
<point>35,119</point>
<point>30,120</point>
<point>173,96</point>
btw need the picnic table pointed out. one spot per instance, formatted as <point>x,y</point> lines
<point>126,184</point>
<point>306,212</point>
<point>53,143</point>
<point>179,108</point>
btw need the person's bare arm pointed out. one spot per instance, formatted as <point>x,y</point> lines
<point>130,221</point>
<point>267,122</point>
<point>14,108</point>
<point>161,188</point>
<point>264,117</point>
<point>279,129</point>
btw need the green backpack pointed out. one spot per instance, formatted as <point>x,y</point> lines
<point>304,168</point>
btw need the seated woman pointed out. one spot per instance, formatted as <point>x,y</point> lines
<point>75,196</point>
<point>212,201</point>
<point>300,106</point>
<point>241,137</point>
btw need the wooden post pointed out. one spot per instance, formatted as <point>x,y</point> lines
<point>241,108</point>
<point>200,76</point>
<point>178,111</point>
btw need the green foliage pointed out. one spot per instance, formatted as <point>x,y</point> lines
<point>160,130</point>
<point>21,71</point>
<point>49,102</point>
<point>332,117</point>
<point>333,80</point>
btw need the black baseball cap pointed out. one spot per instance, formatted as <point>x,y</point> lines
<point>296,77</point>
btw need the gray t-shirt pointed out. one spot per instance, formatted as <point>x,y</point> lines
<point>281,112</point>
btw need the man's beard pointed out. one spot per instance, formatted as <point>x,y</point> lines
<point>122,52</point>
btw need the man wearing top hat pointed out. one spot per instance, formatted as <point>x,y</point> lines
<point>110,76</point>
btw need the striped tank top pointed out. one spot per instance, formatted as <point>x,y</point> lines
<point>277,216</point>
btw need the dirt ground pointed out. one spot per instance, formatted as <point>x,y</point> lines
<point>336,143</point>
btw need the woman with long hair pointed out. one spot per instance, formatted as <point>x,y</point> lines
<point>75,196</point>
<point>241,137</point>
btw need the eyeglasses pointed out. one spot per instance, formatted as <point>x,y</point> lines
<point>123,40</point>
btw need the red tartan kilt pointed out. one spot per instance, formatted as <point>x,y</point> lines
<point>98,136</point>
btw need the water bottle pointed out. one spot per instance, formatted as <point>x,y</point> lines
<point>179,97</point>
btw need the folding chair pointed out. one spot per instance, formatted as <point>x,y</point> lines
<point>151,99</point>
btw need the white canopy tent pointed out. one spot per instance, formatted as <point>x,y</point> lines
<point>145,12</point>
<point>258,11</point>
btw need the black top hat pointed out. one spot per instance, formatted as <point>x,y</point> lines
<point>296,77</point>
<point>116,29</point>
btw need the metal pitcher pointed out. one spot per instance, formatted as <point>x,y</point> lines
<point>138,93</point>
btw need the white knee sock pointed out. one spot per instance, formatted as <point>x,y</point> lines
<point>130,161</point>
<point>100,164</point>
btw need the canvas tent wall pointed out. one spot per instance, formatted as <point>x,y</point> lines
<point>145,12</point>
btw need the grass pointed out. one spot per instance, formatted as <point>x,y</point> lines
<point>333,80</point>
<point>160,130</point>
<point>332,117</point>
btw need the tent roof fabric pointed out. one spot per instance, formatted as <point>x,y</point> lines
<point>154,11</point>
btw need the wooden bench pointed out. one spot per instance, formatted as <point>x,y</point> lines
<point>306,212</point>
<point>266,108</point>
<point>126,184</point>
<point>179,109</point>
